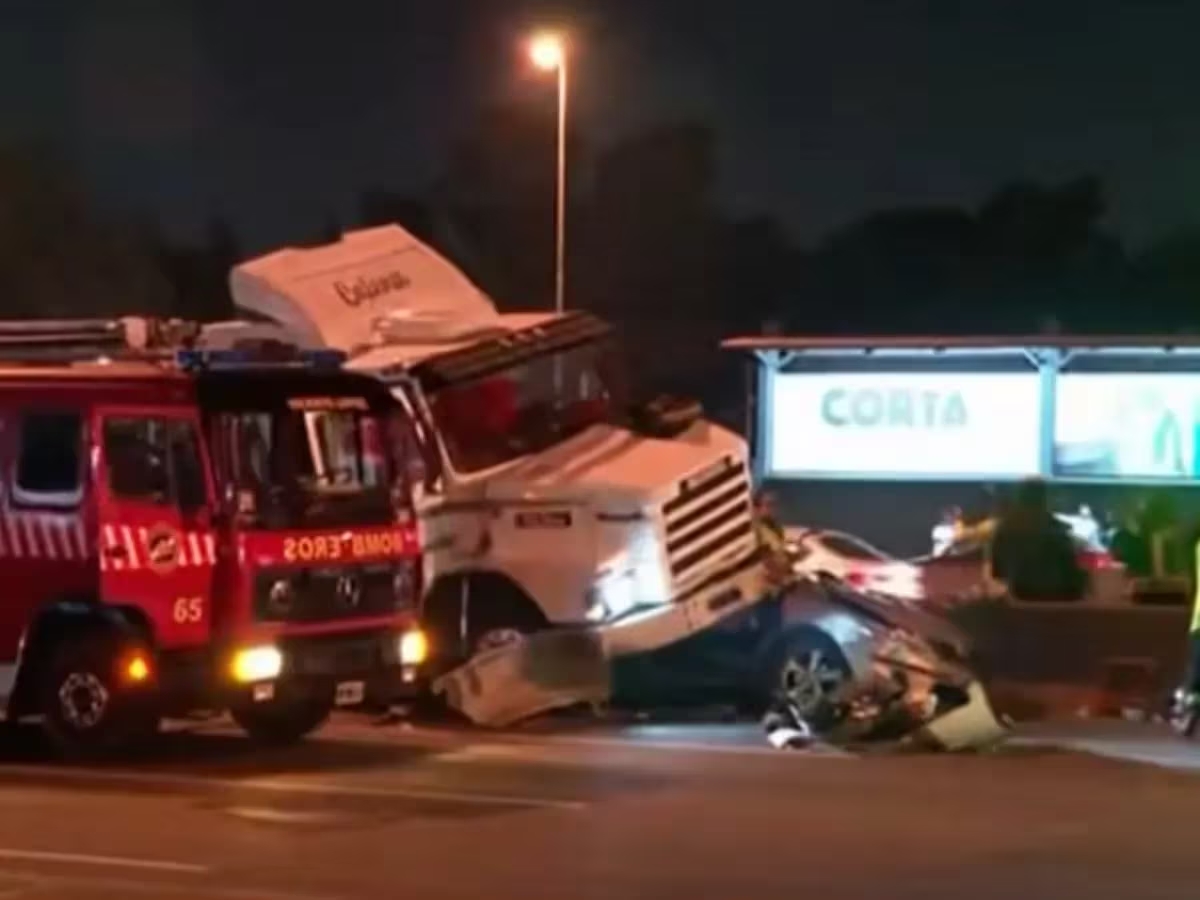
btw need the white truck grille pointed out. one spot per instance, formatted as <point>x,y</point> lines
<point>709,520</point>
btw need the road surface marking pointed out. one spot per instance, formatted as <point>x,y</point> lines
<point>159,888</point>
<point>116,862</point>
<point>635,743</point>
<point>280,816</point>
<point>622,742</point>
<point>437,736</point>
<point>316,788</point>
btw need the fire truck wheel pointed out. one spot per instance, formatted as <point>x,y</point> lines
<point>86,710</point>
<point>284,721</point>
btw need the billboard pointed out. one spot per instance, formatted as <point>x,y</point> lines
<point>920,426</point>
<point>1128,426</point>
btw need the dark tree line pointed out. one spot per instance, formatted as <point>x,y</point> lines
<point>650,248</point>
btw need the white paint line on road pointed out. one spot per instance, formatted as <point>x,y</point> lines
<point>315,788</point>
<point>280,816</point>
<point>115,862</point>
<point>437,737</point>
<point>159,888</point>
<point>634,742</point>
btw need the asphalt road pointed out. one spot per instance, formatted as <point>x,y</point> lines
<point>369,812</point>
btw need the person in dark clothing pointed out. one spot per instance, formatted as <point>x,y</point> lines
<point>1032,551</point>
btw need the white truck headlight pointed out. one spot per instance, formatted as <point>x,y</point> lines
<point>613,596</point>
<point>617,592</point>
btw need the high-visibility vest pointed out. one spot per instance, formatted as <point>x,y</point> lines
<point>1195,626</point>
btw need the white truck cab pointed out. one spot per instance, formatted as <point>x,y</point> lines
<point>543,502</point>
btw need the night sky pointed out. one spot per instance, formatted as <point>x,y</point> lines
<point>276,114</point>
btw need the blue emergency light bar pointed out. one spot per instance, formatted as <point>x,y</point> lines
<point>192,360</point>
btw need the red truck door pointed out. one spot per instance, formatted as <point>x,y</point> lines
<point>154,500</point>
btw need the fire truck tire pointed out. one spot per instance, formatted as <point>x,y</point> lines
<point>86,711</point>
<point>282,722</point>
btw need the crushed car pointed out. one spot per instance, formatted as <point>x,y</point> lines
<point>825,661</point>
<point>853,668</point>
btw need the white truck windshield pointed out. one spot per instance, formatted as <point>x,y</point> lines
<point>526,408</point>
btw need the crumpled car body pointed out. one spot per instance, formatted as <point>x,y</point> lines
<point>856,667</point>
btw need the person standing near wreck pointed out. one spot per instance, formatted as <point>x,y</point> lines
<point>771,536</point>
<point>1192,675</point>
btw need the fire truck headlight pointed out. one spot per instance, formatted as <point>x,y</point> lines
<point>413,648</point>
<point>257,664</point>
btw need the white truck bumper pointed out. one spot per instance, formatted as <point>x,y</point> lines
<point>737,588</point>
<point>569,666</point>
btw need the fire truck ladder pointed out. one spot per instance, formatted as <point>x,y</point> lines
<point>176,341</point>
<point>78,340</point>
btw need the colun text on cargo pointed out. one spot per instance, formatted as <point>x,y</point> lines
<point>362,289</point>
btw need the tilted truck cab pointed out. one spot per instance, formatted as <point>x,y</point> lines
<point>195,531</point>
<point>546,499</point>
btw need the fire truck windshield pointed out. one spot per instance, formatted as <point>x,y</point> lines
<point>305,468</point>
<point>528,407</point>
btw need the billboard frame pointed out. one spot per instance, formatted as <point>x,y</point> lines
<point>1047,355</point>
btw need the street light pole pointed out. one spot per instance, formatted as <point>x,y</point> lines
<point>549,52</point>
<point>560,217</point>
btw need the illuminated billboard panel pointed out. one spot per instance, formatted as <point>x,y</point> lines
<point>919,426</point>
<point>1129,426</point>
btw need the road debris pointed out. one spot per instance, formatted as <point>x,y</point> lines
<point>533,675</point>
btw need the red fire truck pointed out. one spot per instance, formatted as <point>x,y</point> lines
<point>187,531</point>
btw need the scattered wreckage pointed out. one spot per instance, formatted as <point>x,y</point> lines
<point>856,668</point>
<point>825,662</point>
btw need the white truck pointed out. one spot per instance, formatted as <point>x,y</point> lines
<point>546,500</point>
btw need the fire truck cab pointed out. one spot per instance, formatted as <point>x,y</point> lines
<point>194,531</point>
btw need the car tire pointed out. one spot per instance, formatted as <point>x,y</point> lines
<point>86,710</point>
<point>283,721</point>
<point>804,668</point>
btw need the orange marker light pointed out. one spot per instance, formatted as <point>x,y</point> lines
<point>137,669</point>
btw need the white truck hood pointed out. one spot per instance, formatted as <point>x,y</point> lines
<point>613,467</point>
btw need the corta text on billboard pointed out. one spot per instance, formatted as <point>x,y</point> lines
<point>894,407</point>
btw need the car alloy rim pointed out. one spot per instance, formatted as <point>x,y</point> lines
<point>83,700</point>
<point>807,680</point>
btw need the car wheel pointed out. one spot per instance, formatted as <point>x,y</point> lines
<point>807,673</point>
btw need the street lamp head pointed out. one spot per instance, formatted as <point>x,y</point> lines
<point>547,51</point>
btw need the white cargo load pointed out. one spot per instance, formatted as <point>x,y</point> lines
<point>381,286</point>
